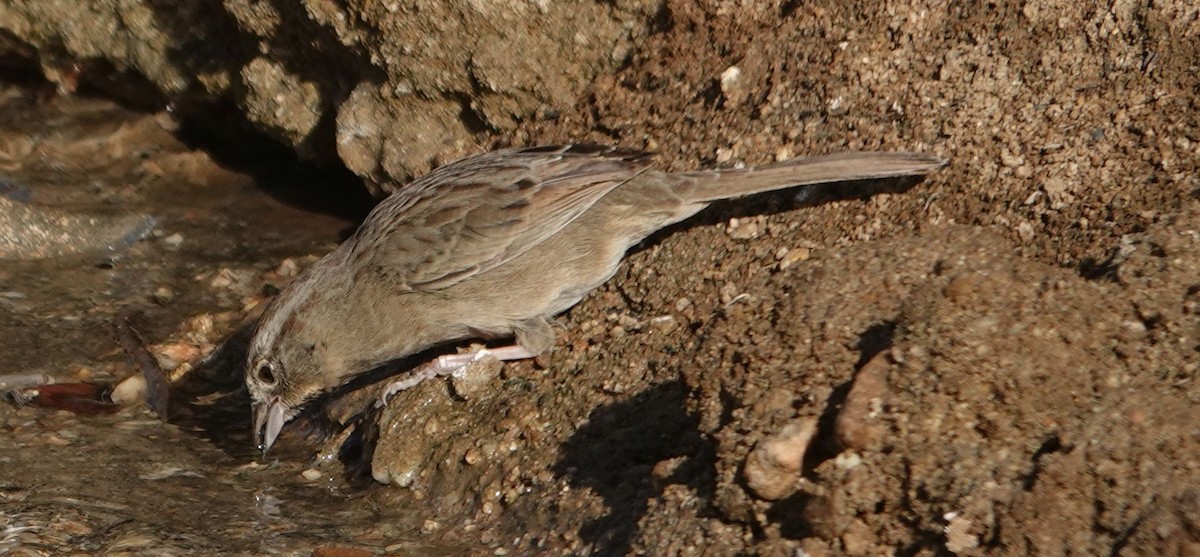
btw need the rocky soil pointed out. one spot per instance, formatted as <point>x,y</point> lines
<point>1001,360</point>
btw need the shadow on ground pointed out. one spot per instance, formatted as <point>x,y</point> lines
<point>614,456</point>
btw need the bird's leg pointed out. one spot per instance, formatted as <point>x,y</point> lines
<point>452,365</point>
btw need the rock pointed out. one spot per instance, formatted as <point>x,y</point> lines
<point>740,229</point>
<point>172,354</point>
<point>858,426</point>
<point>731,84</point>
<point>365,121</point>
<point>959,538</point>
<point>130,391</point>
<point>173,241</point>
<point>772,469</point>
<point>793,256</point>
<point>664,323</point>
<point>431,73</point>
<point>162,295</point>
<point>287,104</point>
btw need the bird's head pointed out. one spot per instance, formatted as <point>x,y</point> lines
<point>285,367</point>
<point>277,393</point>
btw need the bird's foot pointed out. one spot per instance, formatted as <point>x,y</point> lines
<point>452,365</point>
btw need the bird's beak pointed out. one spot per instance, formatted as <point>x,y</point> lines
<point>268,420</point>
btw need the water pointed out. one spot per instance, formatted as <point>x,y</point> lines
<point>128,482</point>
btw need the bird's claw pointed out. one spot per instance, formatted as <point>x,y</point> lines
<point>449,365</point>
<point>452,365</point>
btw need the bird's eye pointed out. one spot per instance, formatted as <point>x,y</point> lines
<point>266,375</point>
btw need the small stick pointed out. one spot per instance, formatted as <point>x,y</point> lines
<point>158,387</point>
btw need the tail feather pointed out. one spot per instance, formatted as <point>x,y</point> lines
<point>713,185</point>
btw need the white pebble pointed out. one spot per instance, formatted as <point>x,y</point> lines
<point>130,391</point>
<point>731,81</point>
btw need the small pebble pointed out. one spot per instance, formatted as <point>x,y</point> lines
<point>731,83</point>
<point>724,154</point>
<point>613,387</point>
<point>1007,158</point>
<point>287,268</point>
<point>130,391</point>
<point>222,279</point>
<point>629,322</point>
<point>172,354</point>
<point>1025,231</point>
<point>772,469</point>
<point>83,374</point>
<point>162,295</point>
<point>793,257</point>
<point>312,474</point>
<point>958,534</point>
<point>743,230</point>
<point>847,460</point>
<point>52,439</point>
<point>729,293</point>
<point>173,241</point>
<point>665,470</point>
<point>199,327</point>
<point>664,323</point>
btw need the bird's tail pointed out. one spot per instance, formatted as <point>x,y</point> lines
<point>712,185</point>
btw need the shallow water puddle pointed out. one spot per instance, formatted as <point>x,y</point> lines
<point>128,482</point>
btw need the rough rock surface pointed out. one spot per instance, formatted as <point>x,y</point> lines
<point>391,87</point>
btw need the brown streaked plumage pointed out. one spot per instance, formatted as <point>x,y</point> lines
<point>491,246</point>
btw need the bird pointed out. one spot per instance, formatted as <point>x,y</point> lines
<point>491,246</point>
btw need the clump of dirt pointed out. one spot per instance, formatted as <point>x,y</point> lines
<point>999,361</point>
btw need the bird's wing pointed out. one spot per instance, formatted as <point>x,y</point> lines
<point>477,213</point>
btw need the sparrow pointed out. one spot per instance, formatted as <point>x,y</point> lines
<point>491,246</point>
